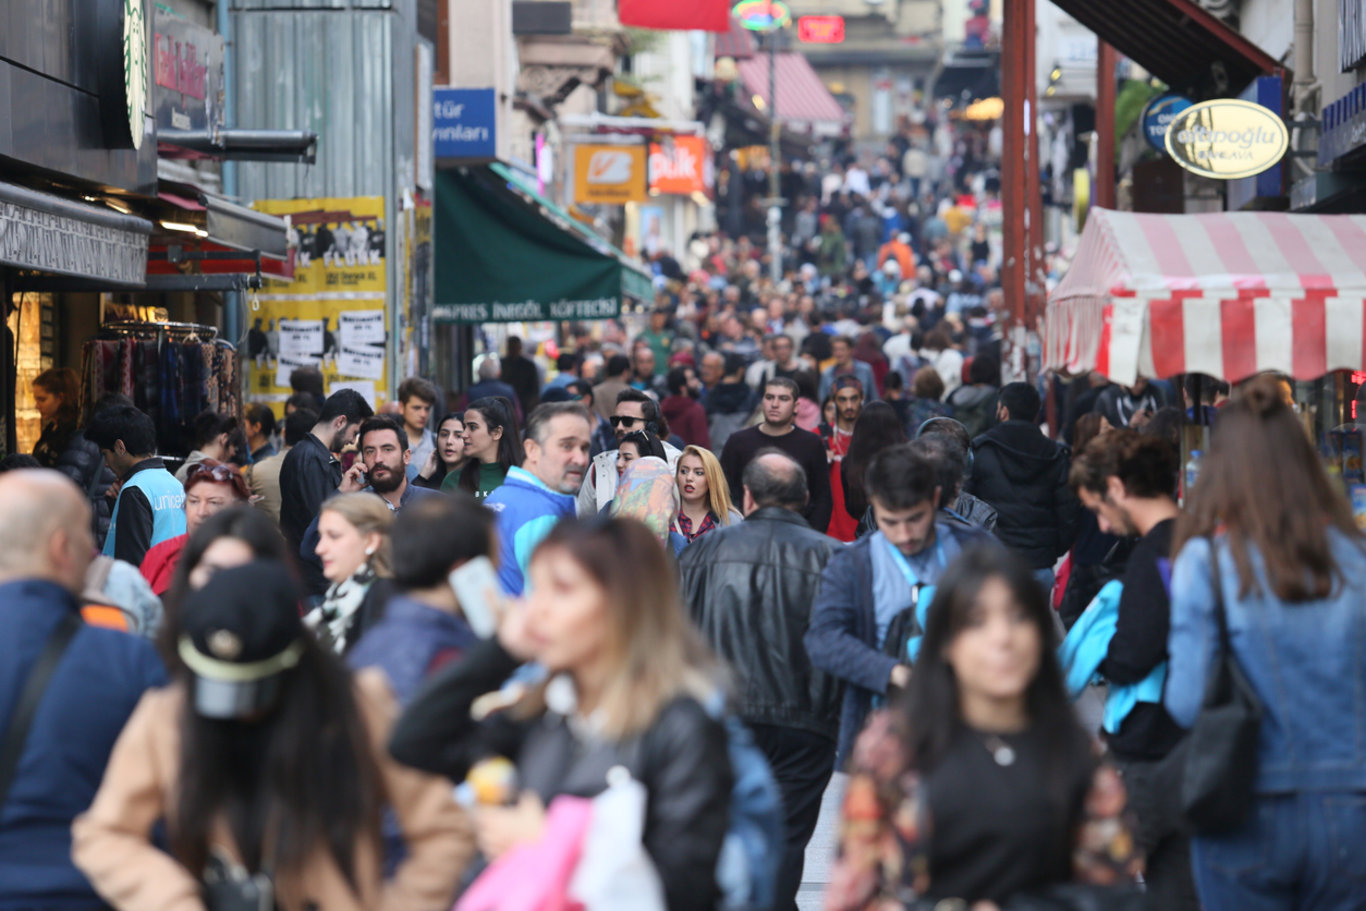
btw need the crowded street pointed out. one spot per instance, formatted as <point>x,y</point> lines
<point>629,455</point>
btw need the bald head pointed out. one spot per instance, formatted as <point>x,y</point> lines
<point>774,478</point>
<point>44,529</point>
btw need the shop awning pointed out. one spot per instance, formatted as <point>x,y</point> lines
<point>199,234</point>
<point>505,254</point>
<point>54,235</point>
<point>804,103</point>
<point>1227,294</point>
<point>1175,40</point>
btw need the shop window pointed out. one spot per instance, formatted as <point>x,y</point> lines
<point>30,321</point>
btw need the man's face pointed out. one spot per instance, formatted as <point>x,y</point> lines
<point>848,403</point>
<point>628,418</point>
<point>644,361</point>
<point>843,353</point>
<point>562,460</point>
<point>386,460</point>
<point>780,407</point>
<point>416,413</point>
<point>782,349</point>
<point>117,459</point>
<point>712,370</point>
<point>909,530</point>
<point>1112,513</point>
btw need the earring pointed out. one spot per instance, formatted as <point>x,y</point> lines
<point>369,551</point>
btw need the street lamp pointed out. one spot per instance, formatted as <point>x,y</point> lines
<point>769,17</point>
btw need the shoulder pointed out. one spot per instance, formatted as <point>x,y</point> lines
<point>684,720</point>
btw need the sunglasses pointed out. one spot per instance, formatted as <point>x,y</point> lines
<point>618,420</point>
<point>217,472</point>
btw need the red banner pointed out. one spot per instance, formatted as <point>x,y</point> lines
<point>676,15</point>
<point>820,29</point>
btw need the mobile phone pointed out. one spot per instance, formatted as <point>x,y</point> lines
<point>476,588</point>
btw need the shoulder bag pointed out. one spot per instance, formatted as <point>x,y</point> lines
<point>16,732</point>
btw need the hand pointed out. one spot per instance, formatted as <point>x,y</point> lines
<point>900,677</point>
<point>429,467</point>
<point>113,492</point>
<point>354,479</point>
<point>1140,419</point>
<point>500,829</point>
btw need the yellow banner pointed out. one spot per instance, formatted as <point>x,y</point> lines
<point>609,174</point>
<point>333,315</point>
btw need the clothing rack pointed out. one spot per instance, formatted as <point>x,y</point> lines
<point>159,329</point>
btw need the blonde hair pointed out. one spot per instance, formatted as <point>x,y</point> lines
<point>718,488</point>
<point>368,514</point>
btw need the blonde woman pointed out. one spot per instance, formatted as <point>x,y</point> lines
<point>627,681</point>
<point>703,494</point>
<point>353,544</point>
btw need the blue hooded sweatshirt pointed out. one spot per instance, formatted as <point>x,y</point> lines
<point>527,509</point>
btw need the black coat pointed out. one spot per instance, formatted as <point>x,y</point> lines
<point>1023,474</point>
<point>681,760</point>
<point>749,589</point>
<point>66,449</point>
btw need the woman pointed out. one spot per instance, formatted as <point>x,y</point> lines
<point>1291,569</point>
<point>927,388</point>
<point>492,446</point>
<point>628,678</point>
<point>210,488</point>
<point>877,428</point>
<point>868,349</point>
<point>62,446</point>
<point>639,444</point>
<point>980,785</point>
<point>265,758</point>
<point>212,436</point>
<point>353,545</point>
<point>444,464</point>
<point>648,492</point>
<point>940,353</point>
<point>703,493</point>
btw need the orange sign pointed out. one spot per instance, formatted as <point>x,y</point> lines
<point>820,29</point>
<point>609,175</point>
<point>682,167</point>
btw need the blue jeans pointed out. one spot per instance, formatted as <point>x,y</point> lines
<point>1296,852</point>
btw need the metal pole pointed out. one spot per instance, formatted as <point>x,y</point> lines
<point>1104,194</point>
<point>775,212</point>
<point>1014,261</point>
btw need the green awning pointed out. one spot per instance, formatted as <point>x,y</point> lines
<point>508,255</point>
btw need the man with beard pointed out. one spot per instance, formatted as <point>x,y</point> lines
<point>779,430</point>
<point>634,411</point>
<point>541,492</point>
<point>384,459</point>
<point>848,393</point>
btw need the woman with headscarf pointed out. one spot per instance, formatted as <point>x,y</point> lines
<point>648,493</point>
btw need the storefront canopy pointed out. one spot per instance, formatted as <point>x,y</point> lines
<point>804,103</point>
<point>1228,294</point>
<point>505,255</point>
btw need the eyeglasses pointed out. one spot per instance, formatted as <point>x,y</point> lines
<point>222,473</point>
<point>618,420</point>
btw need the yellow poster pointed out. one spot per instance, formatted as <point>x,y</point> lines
<point>609,174</point>
<point>333,315</point>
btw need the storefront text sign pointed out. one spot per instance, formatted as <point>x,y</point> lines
<point>527,311</point>
<point>32,239</point>
<point>609,174</point>
<point>682,167</point>
<point>1158,115</point>
<point>187,91</point>
<point>463,123</point>
<point>1227,138</point>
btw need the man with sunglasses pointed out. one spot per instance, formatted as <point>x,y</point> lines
<point>634,411</point>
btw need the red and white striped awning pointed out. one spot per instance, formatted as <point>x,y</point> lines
<point>1228,294</point>
<point>804,103</point>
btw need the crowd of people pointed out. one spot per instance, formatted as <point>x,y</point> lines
<point>672,590</point>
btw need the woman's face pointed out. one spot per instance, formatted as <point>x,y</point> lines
<point>342,547</point>
<point>996,655</point>
<point>828,412</point>
<point>626,454</point>
<point>480,443</point>
<point>223,553</point>
<point>692,479</point>
<point>48,403</point>
<point>206,498</point>
<point>566,619</point>
<point>450,442</point>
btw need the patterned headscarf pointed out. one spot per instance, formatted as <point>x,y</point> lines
<point>648,493</point>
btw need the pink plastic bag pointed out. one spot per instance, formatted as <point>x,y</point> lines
<point>536,877</point>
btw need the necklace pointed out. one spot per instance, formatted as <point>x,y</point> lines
<point>1002,752</point>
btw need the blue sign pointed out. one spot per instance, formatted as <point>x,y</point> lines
<point>1158,115</point>
<point>463,123</point>
<point>1266,91</point>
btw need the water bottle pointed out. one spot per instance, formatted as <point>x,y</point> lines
<point>1192,470</point>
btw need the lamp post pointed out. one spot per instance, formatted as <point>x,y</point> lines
<point>770,17</point>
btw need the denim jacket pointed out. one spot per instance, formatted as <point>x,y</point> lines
<point>1306,662</point>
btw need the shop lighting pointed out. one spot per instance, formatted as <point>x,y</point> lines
<point>180,226</point>
<point>1056,74</point>
<point>118,206</point>
<point>759,101</point>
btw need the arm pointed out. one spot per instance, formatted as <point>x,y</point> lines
<point>111,842</point>
<point>1104,853</point>
<point>133,535</point>
<point>1194,635</point>
<point>731,467</point>
<point>822,504</point>
<point>830,640</point>
<point>316,485</point>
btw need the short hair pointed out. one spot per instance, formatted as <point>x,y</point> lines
<point>844,339</point>
<point>985,370</point>
<point>648,406</point>
<point>783,382</point>
<point>347,403</point>
<point>417,387</point>
<point>123,422</point>
<point>381,422</point>
<point>1146,465</point>
<point>566,362</point>
<point>302,400</point>
<point>676,381</point>
<point>617,364</point>
<point>734,363</point>
<point>307,379</point>
<point>299,425</point>
<point>432,534</point>
<point>538,423</point>
<point>770,485</point>
<point>207,426</point>
<point>490,367</point>
<point>261,414</point>
<point>901,478</point>
<point>950,462</point>
<point>1021,401</point>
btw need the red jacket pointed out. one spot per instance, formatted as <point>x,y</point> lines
<point>687,419</point>
<point>159,566</point>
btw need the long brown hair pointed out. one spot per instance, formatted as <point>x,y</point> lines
<point>1263,485</point>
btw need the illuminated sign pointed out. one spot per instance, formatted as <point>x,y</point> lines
<point>820,29</point>
<point>1227,138</point>
<point>762,15</point>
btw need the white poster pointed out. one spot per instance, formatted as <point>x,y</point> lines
<point>364,362</point>
<point>365,387</point>
<point>286,364</point>
<point>301,337</point>
<point>361,327</point>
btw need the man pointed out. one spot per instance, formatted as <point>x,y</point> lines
<point>945,442</point>
<point>749,589</point>
<point>603,438</point>
<point>567,367</point>
<point>520,372</point>
<point>263,477</point>
<point>618,371</point>
<point>211,436</point>
<point>643,375</point>
<point>757,373</point>
<point>259,423</point>
<point>311,472</point>
<point>685,416</point>
<point>1131,406</point>
<point>416,399</point>
<point>659,339</point>
<point>730,402</point>
<point>490,386</point>
<point>541,492</point>
<point>779,430</point>
<point>867,584</point>
<point>151,504</point>
<point>1023,474</point>
<point>635,411</point>
<point>1128,481</point>
<point>842,347</point>
<point>424,626</point>
<point>96,682</point>
<point>848,393</point>
<point>383,464</point>
<point>898,250</point>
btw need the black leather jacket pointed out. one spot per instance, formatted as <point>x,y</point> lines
<point>681,760</point>
<point>66,449</point>
<point>749,588</point>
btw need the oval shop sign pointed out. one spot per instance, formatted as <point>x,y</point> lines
<point>1227,138</point>
<point>1159,114</point>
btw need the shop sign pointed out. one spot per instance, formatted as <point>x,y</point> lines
<point>464,123</point>
<point>682,167</point>
<point>48,242</point>
<point>124,69</point>
<point>529,311</point>
<point>762,15</point>
<point>609,175</point>
<point>1227,138</point>
<point>187,87</point>
<point>820,29</point>
<point>1159,114</point>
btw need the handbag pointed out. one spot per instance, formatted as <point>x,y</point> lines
<point>1221,750</point>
